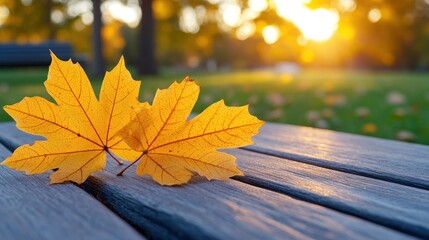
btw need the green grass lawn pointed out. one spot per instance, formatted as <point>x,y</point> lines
<point>392,105</point>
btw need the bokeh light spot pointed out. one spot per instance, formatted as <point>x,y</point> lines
<point>271,34</point>
<point>374,15</point>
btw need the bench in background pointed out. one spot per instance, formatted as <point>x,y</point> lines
<point>21,55</point>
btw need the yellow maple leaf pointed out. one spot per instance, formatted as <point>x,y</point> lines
<point>172,148</point>
<point>79,128</point>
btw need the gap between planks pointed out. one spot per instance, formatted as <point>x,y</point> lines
<point>247,181</point>
<point>31,209</point>
<point>337,167</point>
<point>388,160</point>
<point>392,205</point>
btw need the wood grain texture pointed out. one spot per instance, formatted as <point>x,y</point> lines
<point>12,138</point>
<point>31,209</point>
<point>218,210</point>
<point>393,205</point>
<point>403,163</point>
<point>223,210</point>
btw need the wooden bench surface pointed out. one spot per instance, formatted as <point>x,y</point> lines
<point>300,183</point>
<point>31,209</point>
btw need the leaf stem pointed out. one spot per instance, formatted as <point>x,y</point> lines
<point>117,160</point>
<point>123,170</point>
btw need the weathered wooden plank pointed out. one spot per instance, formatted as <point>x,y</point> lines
<point>393,205</point>
<point>11,137</point>
<point>219,210</point>
<point>403,163</point>
<point>31,209</point>
<point>223,210</point>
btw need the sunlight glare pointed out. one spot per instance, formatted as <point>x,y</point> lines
<point>318,25</point>
<point>231,13</point>
<point>271,34</point>
<point>126,13</point>
<point>258,5</point>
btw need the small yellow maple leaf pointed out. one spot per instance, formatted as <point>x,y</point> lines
<point>79,128</point>
<point>172,148</point>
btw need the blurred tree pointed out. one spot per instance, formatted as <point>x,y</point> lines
<point>48,21</point>
<point>98,65</point>
<point>386,33</point>
<point>147,63</point>
<point>29,21</point>
<point>192,33</point>
<point>112,36</point>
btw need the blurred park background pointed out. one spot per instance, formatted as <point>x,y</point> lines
<point>358,66</point>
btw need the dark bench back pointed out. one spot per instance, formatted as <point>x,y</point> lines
<point>13,54</point>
